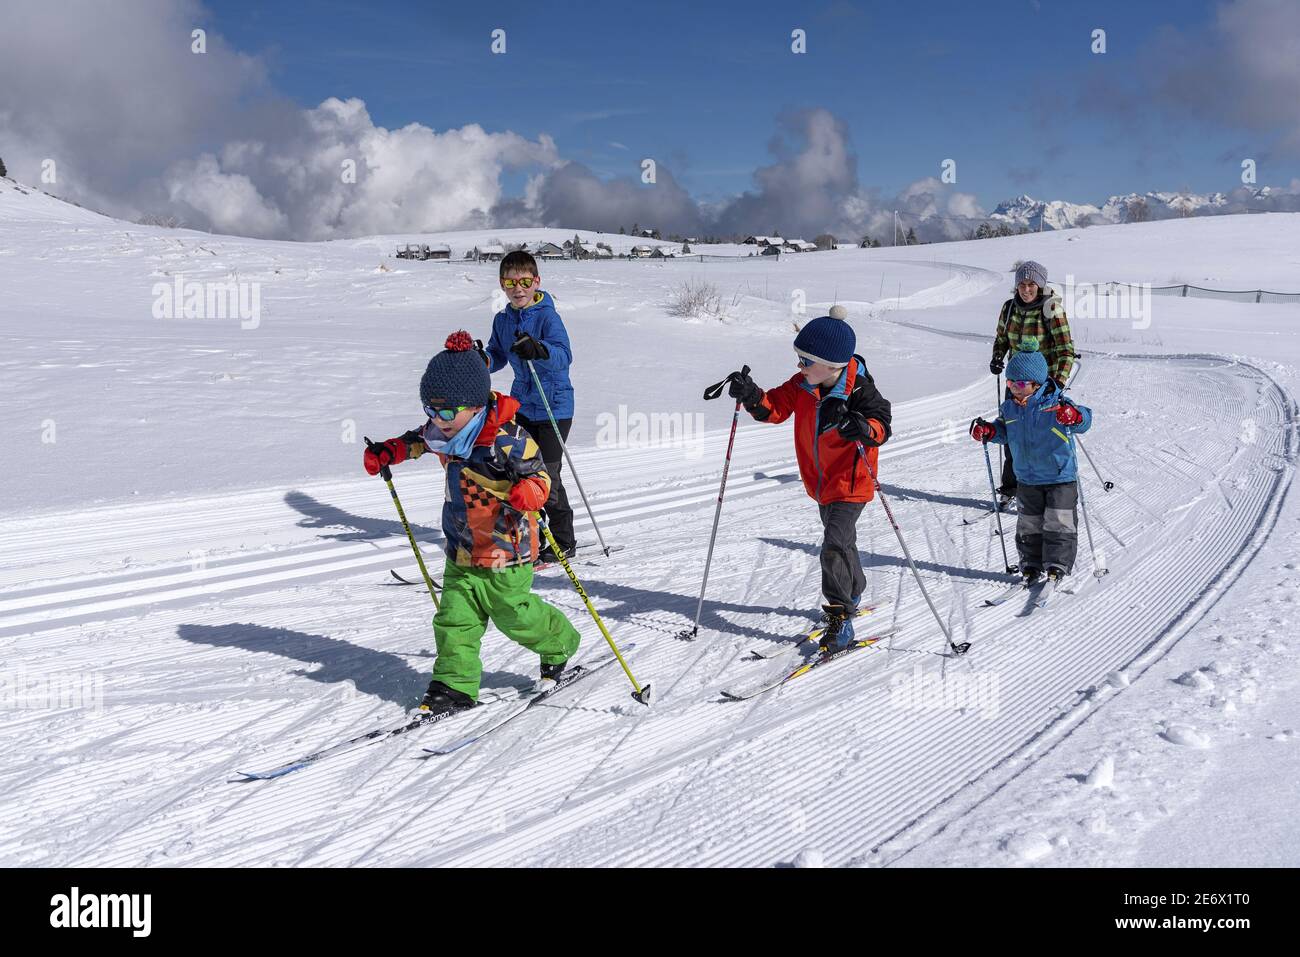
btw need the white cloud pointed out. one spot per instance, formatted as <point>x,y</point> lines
<point>141,125</point>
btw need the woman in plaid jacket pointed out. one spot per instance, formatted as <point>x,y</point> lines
<point>1033,312</point>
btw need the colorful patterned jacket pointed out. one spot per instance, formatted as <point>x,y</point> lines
<point>480,525</point>
<point>1043,319</point>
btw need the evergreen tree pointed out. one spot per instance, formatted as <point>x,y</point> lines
<point>3,171</point>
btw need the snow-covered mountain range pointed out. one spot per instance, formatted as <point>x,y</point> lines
<point>1035,214</point>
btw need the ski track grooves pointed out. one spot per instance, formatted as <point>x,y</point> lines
<point>595,778</point>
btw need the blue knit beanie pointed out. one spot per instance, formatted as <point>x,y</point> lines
<point>1028,363</point>
<point>1032,272</point>
<point>456,376</point>
<point>827,339</point>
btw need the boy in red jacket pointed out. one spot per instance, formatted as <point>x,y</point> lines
<point>496,482</point>
<point>837,412</point>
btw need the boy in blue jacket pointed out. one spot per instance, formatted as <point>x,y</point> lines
<point>529,329</point>
<point>1036,423</point>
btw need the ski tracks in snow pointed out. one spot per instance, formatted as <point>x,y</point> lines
<point>840,760</point>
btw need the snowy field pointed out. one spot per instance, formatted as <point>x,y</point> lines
<point>194,560</point>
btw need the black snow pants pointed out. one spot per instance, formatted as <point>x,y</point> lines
<point>558,512</point>
<point>842,577</point>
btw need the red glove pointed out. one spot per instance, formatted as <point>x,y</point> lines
<point>528,495</point>
<point>387,453</point>
<point>982,431</point>
<point>1068,415</point>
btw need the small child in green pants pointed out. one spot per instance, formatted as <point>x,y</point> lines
<point>496,482</point>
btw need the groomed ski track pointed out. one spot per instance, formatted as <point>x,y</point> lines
<point>279,637</point>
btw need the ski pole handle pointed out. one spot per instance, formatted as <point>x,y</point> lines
<point>715,390</point>
<point>384,471</point>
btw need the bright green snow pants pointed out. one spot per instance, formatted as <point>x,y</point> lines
<point>470,596</point>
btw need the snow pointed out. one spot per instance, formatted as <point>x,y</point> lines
<point>193,565</point>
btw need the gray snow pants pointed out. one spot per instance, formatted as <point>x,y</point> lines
<point>1047,530</point>
<point>842,577</point>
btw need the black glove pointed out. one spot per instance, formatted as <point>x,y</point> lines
<point>526,347</point>
<point>741,386</point>
<point>835,414</point>
<point>996,366</point>
<point>854,427</point>
<point>478,344</point>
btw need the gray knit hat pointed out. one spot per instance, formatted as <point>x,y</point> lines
<point>456,376</point>
<point>1032,272</point>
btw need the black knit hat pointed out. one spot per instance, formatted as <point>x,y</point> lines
<point>456,376</point>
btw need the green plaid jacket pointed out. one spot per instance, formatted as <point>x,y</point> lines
<point>1017,321</point>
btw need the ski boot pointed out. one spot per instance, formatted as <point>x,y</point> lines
<point>838,633</point>
<point>547,555</point>
<point>440,698</point>
<point>1055,573</point>
<point>1032,576</point>
<point>550,675</point>
<point>1006,496</point>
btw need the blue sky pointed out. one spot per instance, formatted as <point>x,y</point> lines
<point>1000,87</point>
<point>252,137</point>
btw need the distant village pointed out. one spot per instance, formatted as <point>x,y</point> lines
<point>579,248</point>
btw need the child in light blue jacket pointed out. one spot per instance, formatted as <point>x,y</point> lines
<point>1037,423</point>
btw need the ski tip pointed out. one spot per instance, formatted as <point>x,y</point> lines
<point>267,775</point>
<point>449,748</point>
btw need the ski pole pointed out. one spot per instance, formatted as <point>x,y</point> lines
<point>565,449</point>
<point>387,475</point>
<point>1099,568</point>
<point>641,692</point>
<point>997,511</point>
<point>1002,462</point>
<point>712,392</point>
<point>959,649</point>
<point>1104,484</point>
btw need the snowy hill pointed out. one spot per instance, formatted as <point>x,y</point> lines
<point>193,556</point>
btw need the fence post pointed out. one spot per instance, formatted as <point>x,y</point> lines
<point>1184,290</point>
<point>1258,294</point>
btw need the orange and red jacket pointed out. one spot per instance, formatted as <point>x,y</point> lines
<point>831,466</point>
